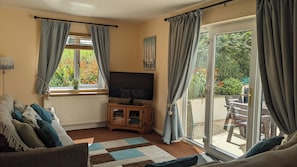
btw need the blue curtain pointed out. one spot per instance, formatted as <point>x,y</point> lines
<point>52,42</point>
<point>183,44</point>
<point>101,44</point>
<point>277,50</point>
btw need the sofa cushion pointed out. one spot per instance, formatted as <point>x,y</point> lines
<point>47,134</point>
<point>7,128</point>
<point>51,110</point>
<point>27,134</point>
<point>184,162</point>
<point>291,140</point>
<point>19,106</point>
<point>264,145</point>
<point>63,136</point>
<point>30,116</point>
<point>16,114</point>
<point>45,115</point>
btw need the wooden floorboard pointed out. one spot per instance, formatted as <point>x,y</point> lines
<point>178,149</point>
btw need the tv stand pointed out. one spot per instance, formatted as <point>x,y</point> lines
<point>132,104</point>
<point>129,117</point>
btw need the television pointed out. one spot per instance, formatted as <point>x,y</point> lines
<point>131,85</point>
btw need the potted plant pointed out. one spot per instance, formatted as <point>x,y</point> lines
<point>75,84</point>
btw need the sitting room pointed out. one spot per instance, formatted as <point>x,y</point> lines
<point>135,83</point>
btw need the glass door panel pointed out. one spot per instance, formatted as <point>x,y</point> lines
<point>196,93</point>
<point>231,79</point>
<point>232,117</point>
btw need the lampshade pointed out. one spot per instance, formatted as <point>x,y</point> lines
<point>6,63</point>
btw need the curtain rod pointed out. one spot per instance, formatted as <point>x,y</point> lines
<point>209,6</point>
<point>37,17</point>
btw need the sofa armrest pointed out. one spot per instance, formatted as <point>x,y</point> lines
<point>75,155</point>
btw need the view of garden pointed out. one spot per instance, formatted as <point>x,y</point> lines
<point>231,68</point>
<point>65,73</point>
<point>231,76</point>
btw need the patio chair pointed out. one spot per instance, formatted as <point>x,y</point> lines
<point>228,99</point>
<point>239,117</point>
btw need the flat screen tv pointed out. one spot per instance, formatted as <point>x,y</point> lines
<point>131,85</point>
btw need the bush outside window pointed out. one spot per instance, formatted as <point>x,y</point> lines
<point>232,64</point>
<point>78,68</point>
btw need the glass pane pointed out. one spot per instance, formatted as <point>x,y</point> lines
<point>134,117</point>
<point>230,111</point>
<point>79,40</point>
<point>64,74</point>
<point>196,93</point>
<point>88,67</point>
<point>118,117</point>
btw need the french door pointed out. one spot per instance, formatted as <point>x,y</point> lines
<point>227,65</point>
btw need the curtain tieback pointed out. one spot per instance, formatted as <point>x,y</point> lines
<point>169,110</point>
<point>44,82</point>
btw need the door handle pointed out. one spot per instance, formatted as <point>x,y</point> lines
<point>250,94</point>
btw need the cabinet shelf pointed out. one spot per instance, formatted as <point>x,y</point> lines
<point>129,117</point>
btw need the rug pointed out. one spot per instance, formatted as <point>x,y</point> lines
<point>129,152</point>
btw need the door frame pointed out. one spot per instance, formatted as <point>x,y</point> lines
<point>246,23</point>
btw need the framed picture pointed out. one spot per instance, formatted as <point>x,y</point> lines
<point>149,54</point>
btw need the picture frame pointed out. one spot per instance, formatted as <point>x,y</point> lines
<point>149,54</point>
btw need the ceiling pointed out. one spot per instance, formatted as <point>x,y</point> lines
<point>133,10</point>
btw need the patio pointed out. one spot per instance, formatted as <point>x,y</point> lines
<point>236,146</point>
<point>195,130</point>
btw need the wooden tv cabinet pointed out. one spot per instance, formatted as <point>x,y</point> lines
<point>129,117</point>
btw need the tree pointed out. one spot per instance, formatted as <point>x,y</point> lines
<point>233,55</point>
<point>233,51</point>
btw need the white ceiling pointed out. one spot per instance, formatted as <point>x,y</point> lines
<point>134,10</point>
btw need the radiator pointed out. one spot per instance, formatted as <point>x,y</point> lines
<point>79,112</point>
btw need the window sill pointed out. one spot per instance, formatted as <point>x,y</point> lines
<point>78,92</point>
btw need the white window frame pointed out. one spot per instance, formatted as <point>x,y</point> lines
<point>99,87</point>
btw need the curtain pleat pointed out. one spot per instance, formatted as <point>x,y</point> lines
<point>101,44</point>
<point>277,49</point>
<point>52,42</point>
<point>183,44</point>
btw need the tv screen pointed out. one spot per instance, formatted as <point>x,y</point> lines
<point>131,85</point>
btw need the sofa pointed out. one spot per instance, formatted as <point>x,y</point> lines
<point>273,152</point>
<point>31,135</point>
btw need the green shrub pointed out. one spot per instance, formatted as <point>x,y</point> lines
<point>229,86</point>
<point>197,85</point>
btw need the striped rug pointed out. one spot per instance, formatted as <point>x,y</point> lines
<point>129,152</point>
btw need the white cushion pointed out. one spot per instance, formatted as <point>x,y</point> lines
<point>64,137</point>
<point>31,116</point>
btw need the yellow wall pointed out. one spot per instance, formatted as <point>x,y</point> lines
<point>160,28</point>
<point>19,38</point>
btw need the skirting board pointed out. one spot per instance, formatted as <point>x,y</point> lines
<point>84,126</point>
<point>159,132</point>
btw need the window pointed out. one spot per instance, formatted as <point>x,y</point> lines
<point>78,64</point>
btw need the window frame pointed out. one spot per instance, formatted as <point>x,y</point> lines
<point>99,88</point>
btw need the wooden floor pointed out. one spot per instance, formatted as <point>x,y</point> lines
<point>178,149</point>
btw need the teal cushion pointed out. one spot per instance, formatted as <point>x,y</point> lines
<point>264,145</point>
<point>45,115</point>
<point>16,114</point>
<point>48,134</point>
<point>180,162</point>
